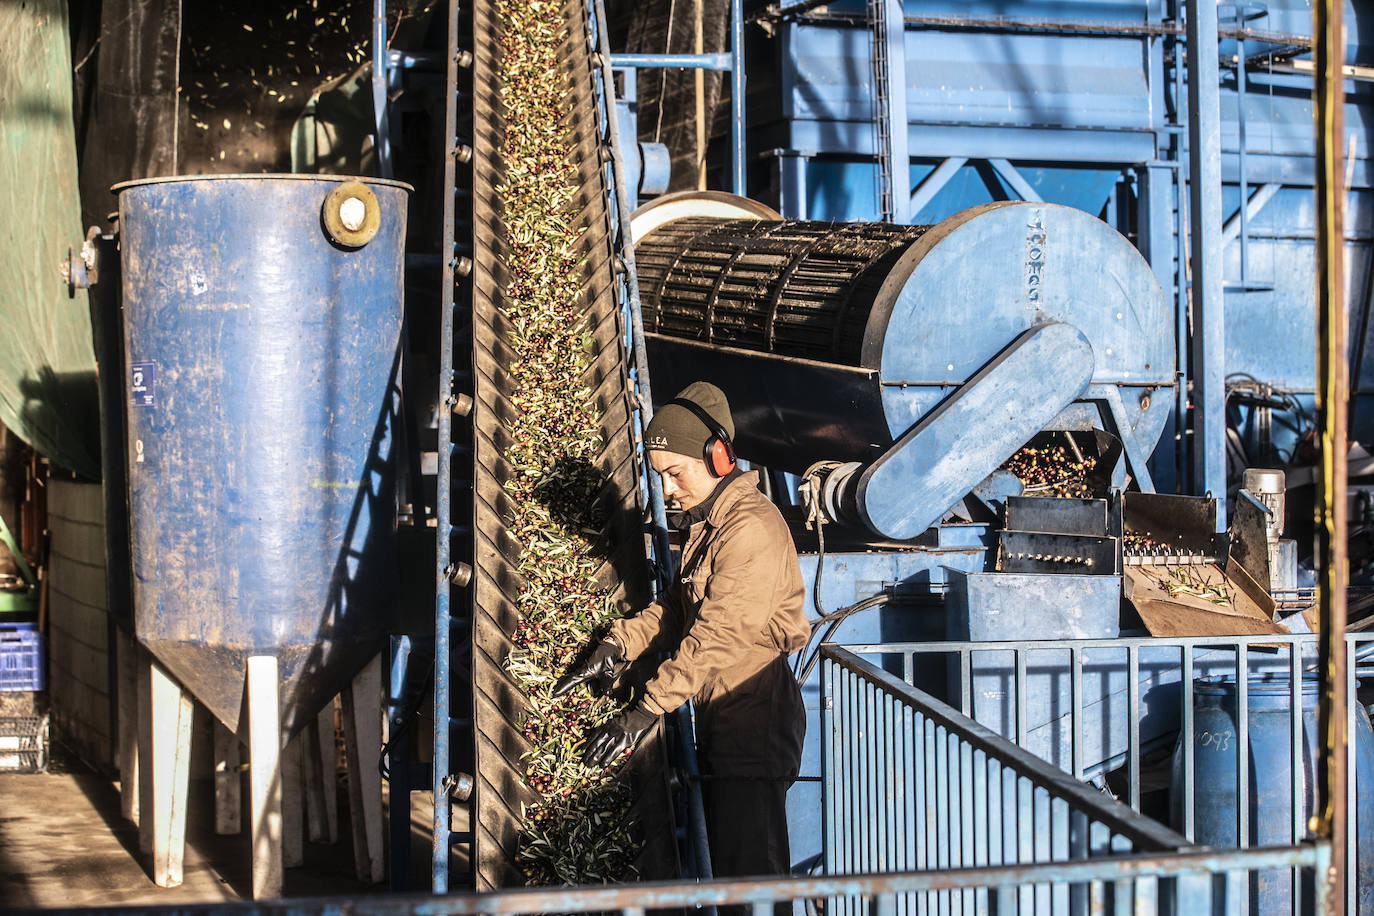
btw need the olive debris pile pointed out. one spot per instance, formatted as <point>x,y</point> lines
<point>579,831</point>
<point>1052,471</point>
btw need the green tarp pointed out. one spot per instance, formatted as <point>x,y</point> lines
<point>47,366</point>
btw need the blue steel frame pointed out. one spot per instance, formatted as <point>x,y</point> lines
<point>731,61</point>
<point>1199,130</point>
<point>1034,665</point>
<point>443,547</point>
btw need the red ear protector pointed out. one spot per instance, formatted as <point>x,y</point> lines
<point>719,452</point>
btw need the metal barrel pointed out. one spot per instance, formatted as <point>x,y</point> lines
<point>262,319</point>
<point>1271,782</point>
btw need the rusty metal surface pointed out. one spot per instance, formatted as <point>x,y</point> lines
<point>498,702</point>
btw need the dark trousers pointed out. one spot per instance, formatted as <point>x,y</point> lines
<point>746,824</point>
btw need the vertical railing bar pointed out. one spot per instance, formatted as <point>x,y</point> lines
<point>1011,833</point>
<point>966,681</point>
<point>887,859</point>
<point>844,789</point>
<point>854,712</point>
<point>909,666</point>
<point>968,801</point>
<point>1076,711</point>
<point>1020,655</point>
<point>869,747</point>
<point>1189,803</point>
<point>828,745</point>
<point>1133,722</point>
<point>1078,850</point>
<point>868,779</point>
<point>1295,767</point>
<point>876,787</point>
<point>945,812</point>
<point>1352,812</point>
<point>1243,745</point>
<point>925,809</point>
<point>1060,815</point>
<point>852,794</point>
<point>1025,826</point>
<point>903,823</point>
<point>979,768</point>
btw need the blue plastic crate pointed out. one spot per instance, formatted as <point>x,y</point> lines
<point>21,657</point>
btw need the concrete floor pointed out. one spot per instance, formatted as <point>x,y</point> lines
<point>63,844</point>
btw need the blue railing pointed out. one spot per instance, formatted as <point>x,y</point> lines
<point>910,783</point>
<point>1091,707</point>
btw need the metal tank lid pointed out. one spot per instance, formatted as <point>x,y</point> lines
<point>266,176</point>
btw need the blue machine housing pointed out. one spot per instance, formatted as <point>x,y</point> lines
<point>947,347</point>
<point>262,363</point>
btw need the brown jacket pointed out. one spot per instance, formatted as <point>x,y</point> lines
<point>731,620</point>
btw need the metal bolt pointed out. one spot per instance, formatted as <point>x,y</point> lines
<point>460,574</point>
<point>352,213</point>
<point>460,404</point>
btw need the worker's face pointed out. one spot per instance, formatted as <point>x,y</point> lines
<point>686,480</point>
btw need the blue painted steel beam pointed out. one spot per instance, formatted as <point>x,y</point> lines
<point>1018,182</point>
<point>737,138</point>
<point>930,185</point>
<point>890,89</point>
<point>1235,226</point>
<point>442,811</point>
<point>379,93</point>
<point>718,61</point>
<point>1207,345</point>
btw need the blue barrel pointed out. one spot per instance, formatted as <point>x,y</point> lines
<point>1216,796</point>
<point>262,320</point>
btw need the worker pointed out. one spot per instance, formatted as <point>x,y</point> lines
<point>729,622</point>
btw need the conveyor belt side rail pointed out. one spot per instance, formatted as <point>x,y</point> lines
<point>698,853</point>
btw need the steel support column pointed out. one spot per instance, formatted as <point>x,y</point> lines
<point>1329,45</point>
<point>889,57</point>
<point>1207,344</point>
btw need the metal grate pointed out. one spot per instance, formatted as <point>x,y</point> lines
<point>23,744</point>
<point>789,287</point>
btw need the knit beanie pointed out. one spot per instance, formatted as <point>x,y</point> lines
<point>676,428</point>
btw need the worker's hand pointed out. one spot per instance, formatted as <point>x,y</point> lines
<point>600,667</point>
<point>617,736</point>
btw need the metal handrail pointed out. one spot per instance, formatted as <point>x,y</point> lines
<point>1142,831</point>
<point>762,893</point>
<point>1022,669</point>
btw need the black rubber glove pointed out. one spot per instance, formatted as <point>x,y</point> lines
<point>617,736</point>
<point>601,666</point>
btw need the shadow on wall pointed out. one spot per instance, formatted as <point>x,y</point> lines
<point>61,412</point>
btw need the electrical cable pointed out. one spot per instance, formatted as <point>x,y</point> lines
<point>834,619</point>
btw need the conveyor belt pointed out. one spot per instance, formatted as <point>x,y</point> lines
<point>498,702</point>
